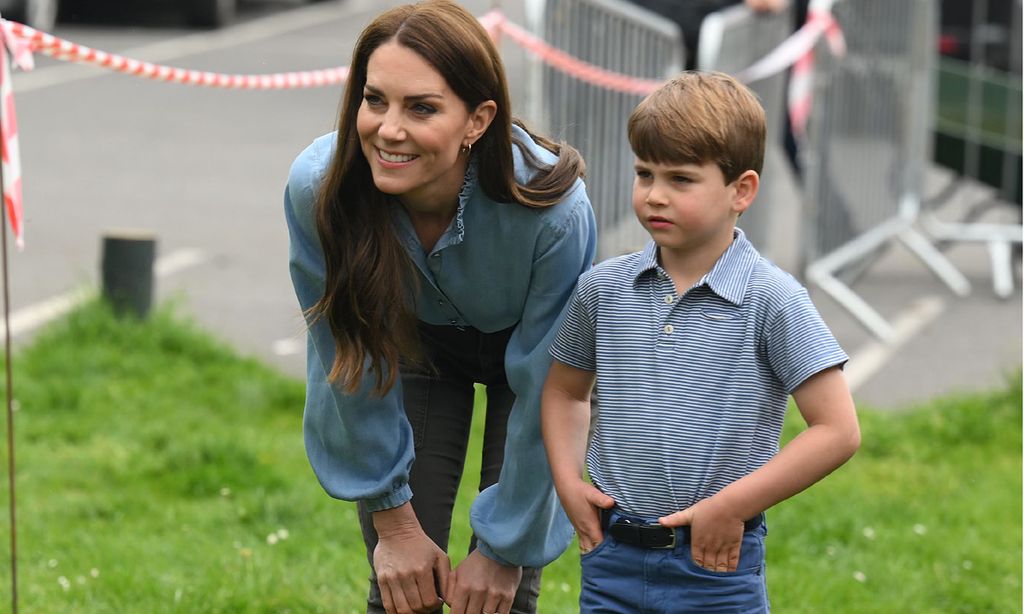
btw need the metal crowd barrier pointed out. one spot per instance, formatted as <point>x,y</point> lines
<point>621,37</point>
<point>978,135</point>
<point>867,147</point>
<point>731,40</point>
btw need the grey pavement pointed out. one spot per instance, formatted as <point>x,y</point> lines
<point>205,169</point>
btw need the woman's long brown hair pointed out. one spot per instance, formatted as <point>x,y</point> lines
<point>369,289</point>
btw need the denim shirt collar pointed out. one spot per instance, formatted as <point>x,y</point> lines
<point>727,278</point>
<point>456,230</point>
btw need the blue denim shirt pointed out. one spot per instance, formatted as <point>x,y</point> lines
<point>498,265</point>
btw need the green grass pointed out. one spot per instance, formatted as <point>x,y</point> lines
<point>160,472</point>
<point>925,518</point>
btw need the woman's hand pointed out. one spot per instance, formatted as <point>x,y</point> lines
<point>480,585</point>
<point>410,567</point>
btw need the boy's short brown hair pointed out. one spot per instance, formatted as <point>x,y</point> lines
<point>701,117</point>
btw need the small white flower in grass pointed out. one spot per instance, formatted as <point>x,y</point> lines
<point>831,550</point>
<point>282,533</point>
<point>94,572</point>
<point>968,564</point>
<point>272,539</point>
<point>859,576</point>
<point>64,583</point>
<point>869,533</point>
<point>920,529</point>
<point>565,587</point>
<point>52,563</point>
<point>225,492</point>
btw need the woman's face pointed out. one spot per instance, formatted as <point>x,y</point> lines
<point>412,126</point>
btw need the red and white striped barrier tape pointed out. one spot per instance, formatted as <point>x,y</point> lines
<point>9,150</point>
<point>796,51</point>
<point>492,22</point>
<point>66,50</point>
<point>796,46</point>
<point>800,44</point>
<point>21,41</point>
<point>571,66</point>
<point>801,82</point>
<point>25,40</point>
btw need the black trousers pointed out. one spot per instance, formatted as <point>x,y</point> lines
<point>439,405</point>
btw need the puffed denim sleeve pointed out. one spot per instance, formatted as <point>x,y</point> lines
<point>519,520</point>
<point>360,446</point>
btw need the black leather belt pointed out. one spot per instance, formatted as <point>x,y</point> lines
<point>654,535</point>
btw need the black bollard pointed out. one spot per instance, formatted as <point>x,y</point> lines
<point>127,265</point>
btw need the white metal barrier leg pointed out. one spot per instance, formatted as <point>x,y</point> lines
<point>858,307</point>
<point>822,273</point>
<point>934,260</point>
<point>1002,270</point>
<point>999,238</point>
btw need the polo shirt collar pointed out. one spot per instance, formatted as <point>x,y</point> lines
<point>648,261</point>
<point>728,278</point>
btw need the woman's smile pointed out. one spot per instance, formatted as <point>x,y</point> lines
<point>394,160</point>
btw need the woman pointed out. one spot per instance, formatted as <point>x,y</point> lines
<point>434,243</point>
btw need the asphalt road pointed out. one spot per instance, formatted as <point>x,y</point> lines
<point>205,170</point>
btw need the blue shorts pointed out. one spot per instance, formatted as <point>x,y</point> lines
<point>621,578</point>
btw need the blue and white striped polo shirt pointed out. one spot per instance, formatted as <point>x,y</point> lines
<point>692,388</point>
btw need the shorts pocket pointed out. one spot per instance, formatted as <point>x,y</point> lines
<point>605,543</point>
<point>751,558</point>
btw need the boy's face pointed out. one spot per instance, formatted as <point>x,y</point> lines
<point>688,206</point>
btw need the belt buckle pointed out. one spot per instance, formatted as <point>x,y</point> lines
<point>671,542</point>
<point>643,535</point>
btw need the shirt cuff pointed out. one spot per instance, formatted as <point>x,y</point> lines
<point>486,551</point>
<point>390,500</point>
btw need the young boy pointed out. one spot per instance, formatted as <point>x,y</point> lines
<point>696,343</point>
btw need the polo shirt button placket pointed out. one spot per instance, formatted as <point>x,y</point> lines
<point>666,339</point>
<point>664,293</point>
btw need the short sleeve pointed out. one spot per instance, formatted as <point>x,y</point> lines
<point>575,342</point>
<point>798,342</point>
